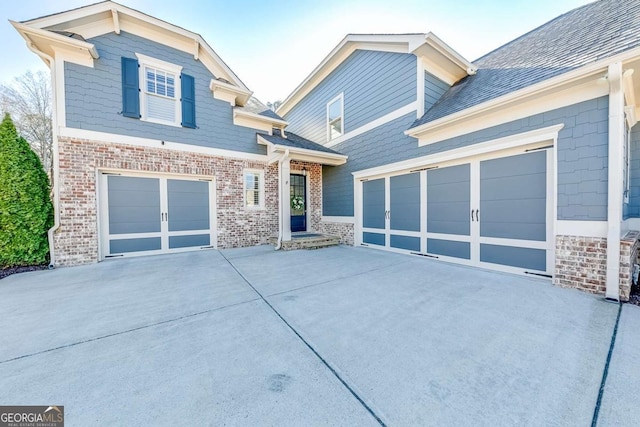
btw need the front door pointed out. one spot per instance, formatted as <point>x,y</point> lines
<point>298,203</point>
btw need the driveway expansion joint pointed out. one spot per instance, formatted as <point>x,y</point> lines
<point>150,325</point>
<point>310,347</point>
<point>605,372</point>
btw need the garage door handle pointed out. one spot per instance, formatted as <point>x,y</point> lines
<point>478,215</point>
<point>471,215</point>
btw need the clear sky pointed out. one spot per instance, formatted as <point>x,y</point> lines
<point>273,45</point>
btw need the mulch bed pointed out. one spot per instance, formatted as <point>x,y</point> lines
<point>14,270</point>
<point>634,298</point>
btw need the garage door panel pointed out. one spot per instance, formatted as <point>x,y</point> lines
<point>534,259</point>
<point>196,240</point>
<point>405,202</point>
<point>134,204</point>
<point>449,200</point>
<point>187,218</point>
<point>532,186</point>
<point>449,248</point>
<point>533,232</point>
<point>449,218</point>
<point>374,238</point>
<point>520,164</point>
<point>373,203</point>
<point>405,242</point>
<point>135,245</point>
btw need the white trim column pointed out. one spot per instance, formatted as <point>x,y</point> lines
<point>285,193</point>
<point>616,179</point>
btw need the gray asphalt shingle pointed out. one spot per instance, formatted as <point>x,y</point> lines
<point>295,141</point>
<point>584,35</point>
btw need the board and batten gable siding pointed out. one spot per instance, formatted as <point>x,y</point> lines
<point>632,209</point>
<point>582,157</point>
<point>434,88</point>
<point>93,98</point>
<point>374,84</point>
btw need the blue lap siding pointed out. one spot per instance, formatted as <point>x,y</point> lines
<point>374,84</point>
<point>93,98</point>
<point>582,157</point>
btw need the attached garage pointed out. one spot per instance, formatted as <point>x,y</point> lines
<point>493,211</point>
<point>145,214</point>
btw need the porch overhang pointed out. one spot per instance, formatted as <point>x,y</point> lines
<point>275,150</point>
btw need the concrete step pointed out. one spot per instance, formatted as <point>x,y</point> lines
<point>307,241</point>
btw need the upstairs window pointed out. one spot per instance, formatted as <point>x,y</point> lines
<point>160,91</point>
<point>335,117</point>
<point>157,91</point>
<point>253,189</point>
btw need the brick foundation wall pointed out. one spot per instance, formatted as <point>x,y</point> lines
<point>629,246</point>
<point>340,229</point>
<point>581,263</point>
<point>76,241</point>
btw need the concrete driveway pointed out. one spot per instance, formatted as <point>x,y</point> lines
<point>338,336</point>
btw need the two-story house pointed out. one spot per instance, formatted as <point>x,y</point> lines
<point>158,146</point>
<point>523,161</point>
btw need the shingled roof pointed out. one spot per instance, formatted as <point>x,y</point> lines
<point>582,36</point>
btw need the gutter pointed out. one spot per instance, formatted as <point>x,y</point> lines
<point>56,155</point>
<point>284,157</point>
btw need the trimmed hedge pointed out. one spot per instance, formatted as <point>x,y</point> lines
<point>26,212</point>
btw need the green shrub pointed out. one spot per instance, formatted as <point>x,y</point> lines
<point>26,212</point>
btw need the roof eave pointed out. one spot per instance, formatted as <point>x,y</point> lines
<point>261,118</point>
<point>303,154</point>
<point>518,96</point>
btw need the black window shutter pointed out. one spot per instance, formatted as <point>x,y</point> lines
<point>188,101</point>
<point>130,88</point>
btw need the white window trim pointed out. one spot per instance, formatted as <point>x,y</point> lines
<point>260,173</point>
<point>340,97</point>
<point>147,61</point>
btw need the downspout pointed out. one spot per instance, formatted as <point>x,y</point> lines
<point>56,158</point>
<point>280,201</point>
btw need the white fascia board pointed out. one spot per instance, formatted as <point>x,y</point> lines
<point>537,136</point>
<point>65,132</point>
<point>54,40</point>
<point>228,92</point>
<point>448,52</point>
<point>260,118</point>
<point>127,18</point>
<point>392,42</point>
<point>553,83</point>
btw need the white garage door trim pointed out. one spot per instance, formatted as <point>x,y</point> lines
<point>475,239</point>
<point>164,234</point>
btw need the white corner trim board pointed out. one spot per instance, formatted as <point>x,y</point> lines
<point>409,108</point>
<point>156,143</point>
<point>339,219</point>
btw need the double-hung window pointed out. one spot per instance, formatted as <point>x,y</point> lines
<point>335,117</point>
<point>160,91</point>
<point>253,189</point>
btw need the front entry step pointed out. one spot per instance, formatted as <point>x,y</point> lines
<point>307,241</point>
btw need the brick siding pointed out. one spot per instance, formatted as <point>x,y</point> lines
<point>76,241</point>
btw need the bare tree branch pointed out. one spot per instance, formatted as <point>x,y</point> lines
<point>28,100</point>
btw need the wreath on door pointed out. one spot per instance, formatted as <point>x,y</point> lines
<point>297,203</point>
